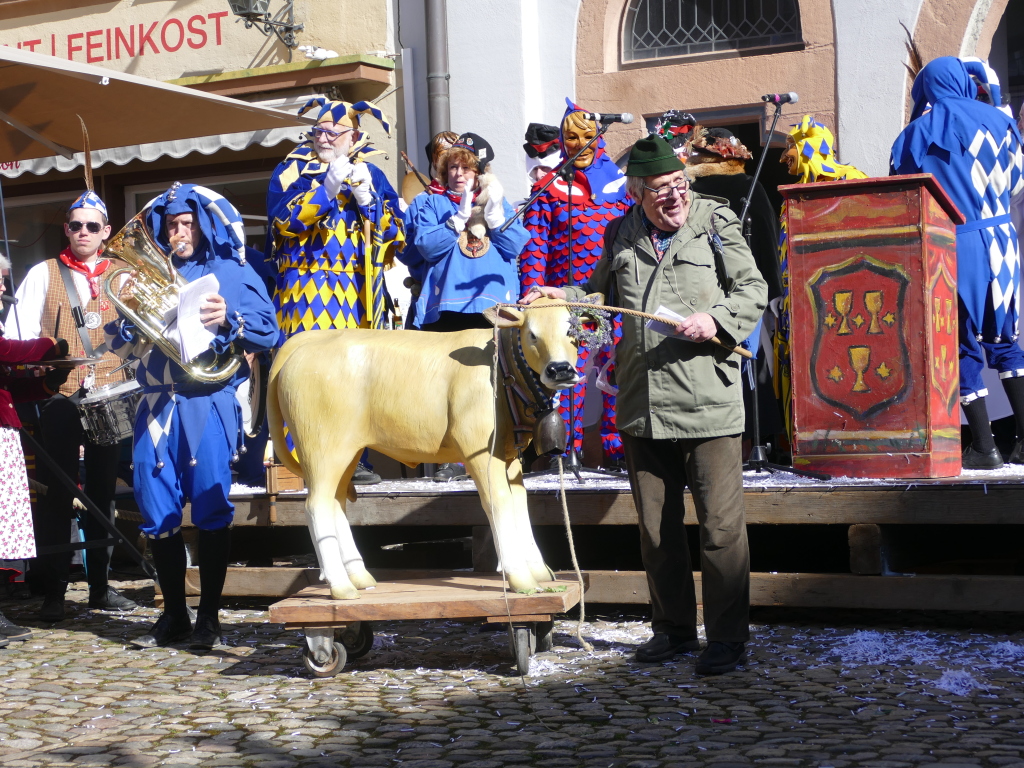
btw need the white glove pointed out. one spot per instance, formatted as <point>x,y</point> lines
<point>494,208</point>
<point>465,209</point>
<point>362,184</point>
<point>339,170</point>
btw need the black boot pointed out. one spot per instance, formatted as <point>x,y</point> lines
<point>982,452</point>
<point>719,658</point>
<point>106,598</point>
<point>174,624</point>
<point>365,476</point>
<point>52,609</point>
<point>1014,389</point>
<point>13,631</point>
<point>664,646</point>
<point>214,551</point>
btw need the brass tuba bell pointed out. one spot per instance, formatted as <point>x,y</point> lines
<point>156,288</point>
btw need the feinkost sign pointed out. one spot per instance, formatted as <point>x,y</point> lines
<point>162,39</point>
<point>111,43</point>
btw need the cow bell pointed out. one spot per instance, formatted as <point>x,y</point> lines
<point>549,434</point>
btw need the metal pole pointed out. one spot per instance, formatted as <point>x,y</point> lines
<point>438,102</point>
<point>7,253</point>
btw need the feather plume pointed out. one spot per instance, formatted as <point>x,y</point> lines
<point>916,63</point>
<point>88,155</point>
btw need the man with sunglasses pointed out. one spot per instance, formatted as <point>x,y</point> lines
<point>319,199</point>
<point>45,308</point>
<point>680,404</point>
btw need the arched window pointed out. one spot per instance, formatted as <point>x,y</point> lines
<point>656,29</point>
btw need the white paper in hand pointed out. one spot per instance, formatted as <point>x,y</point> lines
<point>664,328</point>
<point>194,338</point>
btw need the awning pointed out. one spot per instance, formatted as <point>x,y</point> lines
<point>40,97</point>
<point>204,145</point>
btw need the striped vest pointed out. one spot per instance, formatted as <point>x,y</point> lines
<point>57,302</point>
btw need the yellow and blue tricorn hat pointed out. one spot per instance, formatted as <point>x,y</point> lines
<point>349,114</point>
<point>815,147</point>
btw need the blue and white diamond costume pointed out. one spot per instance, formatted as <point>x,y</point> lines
<point>974,150</point>
<point>187,433</point>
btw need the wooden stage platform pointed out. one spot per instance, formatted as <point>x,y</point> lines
<point>882,520</point>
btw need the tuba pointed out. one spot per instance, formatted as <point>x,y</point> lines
<point>156,288</point>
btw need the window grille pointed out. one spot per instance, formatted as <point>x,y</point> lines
<point>656,29</point>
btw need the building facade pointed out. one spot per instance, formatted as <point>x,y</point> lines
<point>201,44</point>
<point>501,64</point>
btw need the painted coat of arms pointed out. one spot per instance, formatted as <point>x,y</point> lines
<point>860,362</point>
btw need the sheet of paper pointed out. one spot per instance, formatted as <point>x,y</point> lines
<point>664,328</point>
<point>194,338</point>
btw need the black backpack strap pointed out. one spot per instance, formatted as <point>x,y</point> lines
<point>76,307</point>
<point>719,252</point>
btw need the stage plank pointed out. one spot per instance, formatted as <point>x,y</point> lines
<point>932,504</point>
<point>799,590</point>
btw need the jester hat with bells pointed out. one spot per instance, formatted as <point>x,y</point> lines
<point>815,146</point>
<point>349,115</point>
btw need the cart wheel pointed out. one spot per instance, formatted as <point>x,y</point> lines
<point>522,643</point>
<point>357,639</point>
<point>545,632</point>
<point>333,666</point>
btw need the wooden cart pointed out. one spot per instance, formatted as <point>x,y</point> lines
<point>337,630</point>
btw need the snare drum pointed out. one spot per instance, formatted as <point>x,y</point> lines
<point>108,413</point>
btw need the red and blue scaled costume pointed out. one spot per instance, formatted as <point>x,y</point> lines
<point>598,196</point>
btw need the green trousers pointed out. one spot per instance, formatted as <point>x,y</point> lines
<point>712,468</point>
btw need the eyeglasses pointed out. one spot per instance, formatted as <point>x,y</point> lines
<point>662,193</point>
<point>331,135</point>
<point>94,227</point>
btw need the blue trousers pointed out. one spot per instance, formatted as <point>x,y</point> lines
<point>1006,357</point>
<point>162,488</point>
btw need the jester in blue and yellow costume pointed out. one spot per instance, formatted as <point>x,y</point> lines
<point>810,154</point>
<point>188,432</point>
<point>598,196</point>
<point>319,207</point>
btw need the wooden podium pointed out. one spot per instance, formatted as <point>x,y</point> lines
<point>874,327</point>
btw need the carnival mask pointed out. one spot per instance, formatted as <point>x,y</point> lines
<point>576,132</point>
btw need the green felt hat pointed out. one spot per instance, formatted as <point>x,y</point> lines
<point>652,156</point>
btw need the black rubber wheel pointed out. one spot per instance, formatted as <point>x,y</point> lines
<point>545,640</point>
<point>331,668</point>
<point>523,642</point>
<point>362,643</point>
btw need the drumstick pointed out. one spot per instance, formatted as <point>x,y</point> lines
<point>56,324</point>
<point>122,365</point>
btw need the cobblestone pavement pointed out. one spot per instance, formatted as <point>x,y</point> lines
<point>820,689</point>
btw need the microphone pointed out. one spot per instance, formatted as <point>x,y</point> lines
<point>625,118</point>
<point>8,299</point>
<point>781,98</point>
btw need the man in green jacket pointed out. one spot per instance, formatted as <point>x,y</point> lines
<point>680,403</point>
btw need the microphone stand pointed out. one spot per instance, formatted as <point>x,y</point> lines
<point>567,171</point>
<point>569,162</point>
<point>758,459</point>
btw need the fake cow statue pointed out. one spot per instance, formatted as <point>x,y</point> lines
<point>423,397</point>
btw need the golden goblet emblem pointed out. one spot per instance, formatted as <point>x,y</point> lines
<point>843,301</point>
<point>873,302</point>
<point>860,359</point>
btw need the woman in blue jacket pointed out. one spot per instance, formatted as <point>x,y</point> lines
<point>469,264</point>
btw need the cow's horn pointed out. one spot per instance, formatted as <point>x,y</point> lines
<point>504,317</point>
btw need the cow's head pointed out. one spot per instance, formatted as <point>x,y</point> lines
<point>548,347</point>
